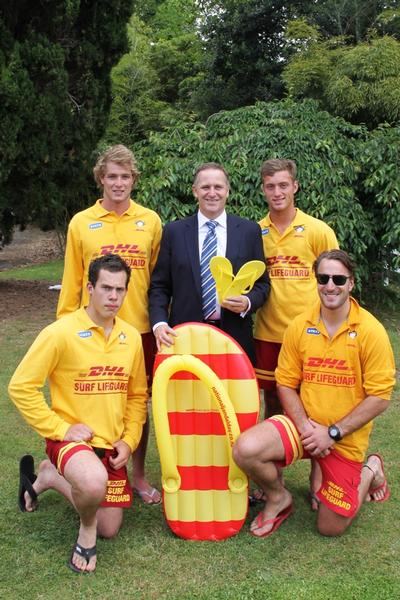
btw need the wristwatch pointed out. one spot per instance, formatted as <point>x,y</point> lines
<point>334,433</point>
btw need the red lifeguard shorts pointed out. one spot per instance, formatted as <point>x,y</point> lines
<point>119,492</point>
<point>341,476</point>
<point>266,362</point>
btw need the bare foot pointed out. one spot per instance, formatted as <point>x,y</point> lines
<point>83,556</point>
<point>272,515</point>
<point>44,481</point>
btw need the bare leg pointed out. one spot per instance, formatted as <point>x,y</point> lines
<point>255,452</point>
<point>84,486</point>
<point>330,523</point>
<point>315,484</point>
<point>147,492</point>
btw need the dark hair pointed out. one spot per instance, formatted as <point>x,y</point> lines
<point>108,262</point>
<point>210,165</point>
<point>339,255</point>
<point>274,165</point>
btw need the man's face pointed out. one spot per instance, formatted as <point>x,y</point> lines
<point>117,183</point>
<point>211,190</point>
<point>333,296</point>
<point>279,190</point>
<point>107,295</point>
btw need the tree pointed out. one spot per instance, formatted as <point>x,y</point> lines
<point>55,59</point>
<point>360,83</point>
<point>336,182</point>
<point>153,82</point>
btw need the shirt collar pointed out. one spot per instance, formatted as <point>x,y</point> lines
<point>352,319</point>
<point>101,212</point>
<point>298,219</point>
<point>221,220</point>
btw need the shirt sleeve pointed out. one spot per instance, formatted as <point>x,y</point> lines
<point>136,406</point>
<point>325,240</point>
<point>72,281</point>
<point>378,366</point>
<point>26,387</point>
<point>289,371</point>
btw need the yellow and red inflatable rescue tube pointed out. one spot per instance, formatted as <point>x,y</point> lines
<point>204,393</point>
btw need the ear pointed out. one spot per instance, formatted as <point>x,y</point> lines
<point>194,191</point>
<point>89,288</point>
<point>351,284</point>
<point>296,185</point>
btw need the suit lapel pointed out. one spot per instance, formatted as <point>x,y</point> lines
<point>191,234</point>
<point>232,239</point>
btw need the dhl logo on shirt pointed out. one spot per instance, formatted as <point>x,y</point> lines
<point>323,376</point>
<point>116,381</point>
<point>106,371</point>
<point>120,249</point>
<point>287,267</point>
<point>126,251</point>
<point>284,260</point>
<point>330,363</point>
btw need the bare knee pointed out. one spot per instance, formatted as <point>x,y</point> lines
<point>244,450</point>
<point>108,530</point>
<point>334,526</point>
<point>109,521</point>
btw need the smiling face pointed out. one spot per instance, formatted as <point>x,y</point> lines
<point>279,190</point>
<point>117,182</point>
<point>334,297</point>
<point>211,189</point>
<point>107,296</point>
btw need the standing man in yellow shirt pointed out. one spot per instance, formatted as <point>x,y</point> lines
<point>93,361</point>
<point>335,375</point>
<point>292,241</point>
<point>117,224</point>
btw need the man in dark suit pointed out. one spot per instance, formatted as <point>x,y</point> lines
<point>175,294</point>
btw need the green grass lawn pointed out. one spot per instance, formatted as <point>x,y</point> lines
<point>51,271</point>
<point>147,562</point>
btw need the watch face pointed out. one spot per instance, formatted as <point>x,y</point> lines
<point>334,432</point>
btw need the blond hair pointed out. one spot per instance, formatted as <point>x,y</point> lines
<point>120,155</point>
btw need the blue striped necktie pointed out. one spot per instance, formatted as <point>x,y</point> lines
<point>208,292</point>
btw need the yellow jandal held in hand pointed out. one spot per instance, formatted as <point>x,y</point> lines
<point>228,284</point>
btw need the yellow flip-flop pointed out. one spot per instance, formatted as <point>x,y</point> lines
<point>245,278</point>
<point>221,270</point>
<point>204,393</point>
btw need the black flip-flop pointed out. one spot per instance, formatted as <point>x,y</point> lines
<point>26,478</point>
<point>86,553</point>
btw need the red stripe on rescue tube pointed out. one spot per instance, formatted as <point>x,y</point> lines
<point>225,366</point>
<point>205,423</point>
<point>204,478</point>
<point>210,530</point>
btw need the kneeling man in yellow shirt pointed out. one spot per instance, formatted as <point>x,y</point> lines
<point>335,374</point>
<point>94,364</point>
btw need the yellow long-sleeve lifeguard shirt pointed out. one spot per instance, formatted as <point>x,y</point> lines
<point>135,236</point>
<point>335,375</point>
<point>93,380</point>
<point>289,259</point>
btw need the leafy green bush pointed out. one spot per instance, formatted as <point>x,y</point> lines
<point>334,160</point>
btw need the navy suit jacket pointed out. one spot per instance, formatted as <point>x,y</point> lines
<point>175,288</point>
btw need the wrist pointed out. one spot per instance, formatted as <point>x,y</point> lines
<point>335,433</point>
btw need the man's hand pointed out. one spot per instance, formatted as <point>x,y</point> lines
<point>237,304</point>
<point>78,433</point>
<point>164,334</point>
<point>317,440</point>
<point>122,454</point>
